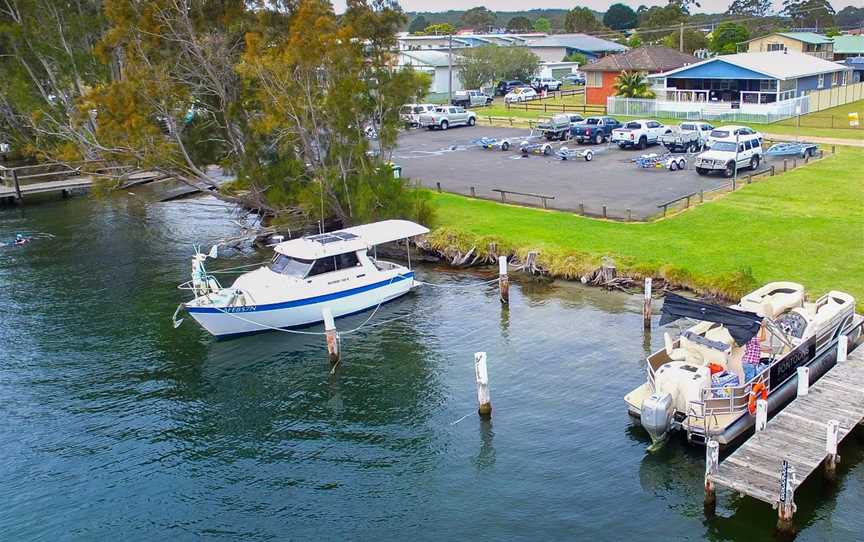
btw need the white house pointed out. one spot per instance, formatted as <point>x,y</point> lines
<point>436,64</point>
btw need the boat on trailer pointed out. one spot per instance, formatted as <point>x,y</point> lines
<point>697,383</point>
<point>305,276</point>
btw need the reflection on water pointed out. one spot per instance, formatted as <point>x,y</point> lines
<point>114,422</point>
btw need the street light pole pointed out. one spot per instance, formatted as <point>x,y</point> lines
<point>735,175</point>
<point>450,69</point>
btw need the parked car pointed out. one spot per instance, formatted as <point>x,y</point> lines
<point>446,116</point>
<point>545,83</point>
<point>559,126</point>
<point>409,114</point>
<point>468,98</point>
<point>687,137</point>
<point>723,132</point>
<point>574,79</point>
<point>504,87</point>
<point>721,156</point>
<point>639,133</point>
<point>594,129</point>
<point>520,94</point>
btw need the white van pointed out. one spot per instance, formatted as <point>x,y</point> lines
<point>721,156</point>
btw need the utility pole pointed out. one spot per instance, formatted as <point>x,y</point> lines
<point>681,37</point>
<point>450,69</point>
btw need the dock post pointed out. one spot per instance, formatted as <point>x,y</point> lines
<point>712,461</point>
<point>646,304</point>
<point>761,414</point>
<point>582,208</point>
<point>503,281</point>
<point>438,186</point>
<point>330,333</point>
<point>842,348</point>
<point>784,165</point>
<point>786,505</point>
<point>473,192</point>
<point>803,381</point>
<point>482,378</point>
<point>831,458</point>
<point>16,185</point>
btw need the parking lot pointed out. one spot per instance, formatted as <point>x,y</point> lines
<point>611,179</point>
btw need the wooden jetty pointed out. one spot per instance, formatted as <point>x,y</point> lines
<point>772,463</point>
<point>18,182</point>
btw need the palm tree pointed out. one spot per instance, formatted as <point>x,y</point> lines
<point>632,85</point>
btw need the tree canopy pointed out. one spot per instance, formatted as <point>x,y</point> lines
<point>632,85</point>
<point>542,24</point>
<point>440,29</point>
<point>581,20</point>
<point>620,17</point>
<point>478,18</point>
<point>727,36</point>
<point>850,17</point>
<point>519,24</point>
<point>755,8</point>
<point>418,25</point>
<point>809,13</point>
<point>693,40</point>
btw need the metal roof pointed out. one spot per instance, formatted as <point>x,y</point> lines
<point>582,42</point>
<point>775,64</point>
<point>432,57</point>
<point>848,45</point>
<point>806,37</point>
<point>350,239</point>
<point>646,59</point>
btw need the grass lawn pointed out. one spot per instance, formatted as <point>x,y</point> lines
<point>805,226</point>
<point>814,124</point>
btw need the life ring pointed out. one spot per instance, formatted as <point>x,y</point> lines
<point>757,391</point>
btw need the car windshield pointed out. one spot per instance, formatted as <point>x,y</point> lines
<point>292,267</point>
<point>727,146</point>
<point>633,125</point>
<point>592,120</point>
<point>719,133</point>
<point>418,109</point>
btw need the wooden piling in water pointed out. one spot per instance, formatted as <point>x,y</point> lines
<point>786,504</point>
<point>330,334</point>
<point>16,185</point>
<point>831,459</point>
<point>503,281</point>
<point>481,375</point>
<point>712,461</point>
<point>646,304</point>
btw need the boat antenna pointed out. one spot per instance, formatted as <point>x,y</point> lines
<point>321,224</point>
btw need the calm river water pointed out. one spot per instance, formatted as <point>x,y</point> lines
<point>117,426</point>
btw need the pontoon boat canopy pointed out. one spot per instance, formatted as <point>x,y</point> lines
<point>350,239</point>
<point>742,325</point>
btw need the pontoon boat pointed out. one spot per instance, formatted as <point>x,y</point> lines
<point>331,270</point>
<point>697,384</point>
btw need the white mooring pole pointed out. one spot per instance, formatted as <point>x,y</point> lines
<point>761,414</point>
<point>842,348</point>
<point>831,459</point>
<point>712,462</point>
<point>330,333</point>
<point>803,381</point>
<point>646,304</point>
<point>482,378</point>
<point>503,281</point>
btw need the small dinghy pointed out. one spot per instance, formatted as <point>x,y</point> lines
<point>706,383</point>
<point>332,270</point>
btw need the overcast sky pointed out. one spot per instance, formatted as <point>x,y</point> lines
<point>711,6</point>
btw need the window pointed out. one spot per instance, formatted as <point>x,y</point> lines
<point>322,265</point>
<point>292,267</point>
<point>776,47</point>
<point>741,147</point>
<point>653,124</point>
<point>633,125</point>
<point>347,260</point>
<point>821,82</point>
<point>748,145</point>
<point>594,80</point>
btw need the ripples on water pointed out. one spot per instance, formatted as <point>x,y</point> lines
<point>116,424</point>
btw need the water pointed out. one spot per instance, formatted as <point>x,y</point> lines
<point>116,424</point>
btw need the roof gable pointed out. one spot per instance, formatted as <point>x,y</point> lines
<point>771,65</point>
<point>717,68</point>
<point>646,59</point>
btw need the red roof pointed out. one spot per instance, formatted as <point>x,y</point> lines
<point>642,59</point>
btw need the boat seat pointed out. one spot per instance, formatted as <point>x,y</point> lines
<point>773,299</point>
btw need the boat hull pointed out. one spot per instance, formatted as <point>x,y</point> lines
<point>232,321</point>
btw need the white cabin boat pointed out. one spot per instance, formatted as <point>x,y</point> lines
<point>682,393</point>
<point>306,275</point>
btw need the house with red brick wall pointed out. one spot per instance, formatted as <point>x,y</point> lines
<point>600,76</point>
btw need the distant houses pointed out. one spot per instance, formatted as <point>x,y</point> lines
<point>807,43</point>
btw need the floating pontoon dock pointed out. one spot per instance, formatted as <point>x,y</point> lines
<point>772,463</point>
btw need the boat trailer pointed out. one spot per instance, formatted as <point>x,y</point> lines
<point>659,161</point>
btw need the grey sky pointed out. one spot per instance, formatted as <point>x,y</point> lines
<point>712,6</point>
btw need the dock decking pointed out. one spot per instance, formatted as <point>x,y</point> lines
<point>797,434</point>
<point>71,183</point>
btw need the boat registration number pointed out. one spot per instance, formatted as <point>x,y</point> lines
<point>247,308</point>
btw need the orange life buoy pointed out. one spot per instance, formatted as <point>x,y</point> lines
<point>758,391</point>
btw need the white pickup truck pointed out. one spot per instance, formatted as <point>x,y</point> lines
<point>639,133</point>
<point>446,116</point>
<point>687,137</point>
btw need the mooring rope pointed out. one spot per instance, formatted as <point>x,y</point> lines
<point>234,269</point>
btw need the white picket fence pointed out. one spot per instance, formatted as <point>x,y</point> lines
<point>832,97</point>
<point>720,111</point>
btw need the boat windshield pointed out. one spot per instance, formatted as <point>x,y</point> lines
<point>292,267</point>
<point>723,146</point>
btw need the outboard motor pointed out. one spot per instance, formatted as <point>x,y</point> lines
<point>656,416</point>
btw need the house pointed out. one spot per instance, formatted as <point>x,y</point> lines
<point>437,65</point>
<point>848,46</point>
<point>408,42</point>
<point>856,64</point>
<point>600,76</point>
<point>735,81</point>
<point>556,48</point>
<point>808,43</point>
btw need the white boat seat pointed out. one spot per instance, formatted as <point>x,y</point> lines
<point>773,299</point>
